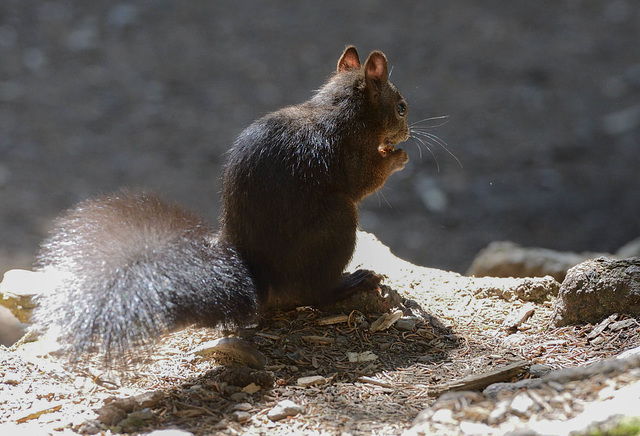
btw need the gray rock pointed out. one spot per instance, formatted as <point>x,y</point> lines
<point>241,416</point>
<point>507,259</point>
<point>596,289</point>
<point>240,396</point>
<point>538,370</point>
<point>494,389</point>
<point>536,289</point>
<point>408,323</point>
<point>560,377</point>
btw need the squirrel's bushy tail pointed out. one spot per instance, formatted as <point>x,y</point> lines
<point>132,268</point>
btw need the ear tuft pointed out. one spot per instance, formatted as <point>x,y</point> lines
<point>376,69</point>
<point>349,60</point>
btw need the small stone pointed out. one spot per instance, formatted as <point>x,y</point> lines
<point>195,388</point>
<point>443,416</point>
<point>476,413</point>
<point>475,428</point>
<point>89,427</point>
<point>232,350</point>
<point>313,380</point>
<point>239,396</point>
<point>498,413</point>
<point>521,404</point>
<point>144,414</point>
<point>136,420</point>
<point>242,407</point>
<point>537,370</point>
<point>130,423</point>
<point>241,416</point>
<point>493,390</point>
<point>407,323</point>
<point>365,356</point>
<point>606,393</point>
<point>110,415</point>
<point>284,409</point>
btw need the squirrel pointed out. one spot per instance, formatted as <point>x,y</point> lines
<point>133,267</point>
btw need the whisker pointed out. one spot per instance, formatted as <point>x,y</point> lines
<point>443,118</point>
<point>421,141</point>
<point>379,194</point>
<point>437,141</point>
<point>415,141</point>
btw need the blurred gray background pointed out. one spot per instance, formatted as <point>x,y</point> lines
<point>543,100</point>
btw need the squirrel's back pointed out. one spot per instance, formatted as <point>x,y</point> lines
<point>127,264</point>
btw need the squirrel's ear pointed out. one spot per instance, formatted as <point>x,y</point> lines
<point>376,69</point>
<point>348,60</point>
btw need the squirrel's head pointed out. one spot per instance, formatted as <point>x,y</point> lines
<point>386,109</point>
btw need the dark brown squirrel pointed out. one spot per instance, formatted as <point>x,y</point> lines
<point>133,267</point>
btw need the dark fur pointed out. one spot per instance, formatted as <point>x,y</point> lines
<point>294,179</point>
<point>138,267</point>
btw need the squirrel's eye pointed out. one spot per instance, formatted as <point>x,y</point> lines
<point>401,109</point>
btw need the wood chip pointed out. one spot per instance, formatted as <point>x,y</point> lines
<point>37,413</point>
<point>597,330</point>
<point>517,318</point>
<point>335,319</point>
<point>481,381</point>
<point>373,381</point>
<point>268,336</point>
<point>386,321</point>
<point>619,325</point>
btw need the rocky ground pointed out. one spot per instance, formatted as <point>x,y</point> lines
<point>440,353</point>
